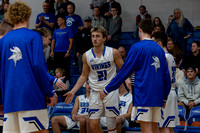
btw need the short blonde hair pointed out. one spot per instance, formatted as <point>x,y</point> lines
<point>18,12</point>
<point>46,31</point>
<point>100,29</point>
<point>61,70</point>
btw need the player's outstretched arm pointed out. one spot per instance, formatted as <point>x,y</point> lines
<point>82,79</point>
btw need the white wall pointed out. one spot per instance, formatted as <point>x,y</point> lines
<point>160,8</point>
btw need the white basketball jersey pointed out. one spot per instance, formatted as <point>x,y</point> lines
<point>102,70</point>
<point>125,102</point>
<point>83,105</point>
<point>171,66</point>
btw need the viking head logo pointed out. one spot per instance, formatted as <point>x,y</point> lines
<point>16,56</point>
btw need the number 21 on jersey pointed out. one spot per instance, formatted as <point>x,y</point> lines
<point>102,75</point>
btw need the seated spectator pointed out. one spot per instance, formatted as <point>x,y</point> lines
<point>84,42</point>
<point>192,59</point>
<point>45,19</point>
<point>189,90</point>
<point>98,3</point>
<point>79,115</point>
<point>143,14</point>
<point>179,30</point>
<point>106,9</point>
<point>61,45</point>
<point>126,106</point>
<point>178,57</point>
<point>175,51</point>
<point>97,19</point>
<point>5,27</point>
<point>157,28</point>
<point>156,22</point>
<point>179,77</point>
<point>60,72</point>
<point>114,28</point>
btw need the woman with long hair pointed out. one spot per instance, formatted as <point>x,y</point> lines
<point>179,30</point>
<point>175,51</point>
<point>157,21</point>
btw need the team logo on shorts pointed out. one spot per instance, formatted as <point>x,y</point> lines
<point>16,56</point>
<point>156,62</point>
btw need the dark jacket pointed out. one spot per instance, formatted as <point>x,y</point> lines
<point>106,8</point>
<point>84,40</point>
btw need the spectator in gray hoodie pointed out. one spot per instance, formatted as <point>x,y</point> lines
<point>189,90</point>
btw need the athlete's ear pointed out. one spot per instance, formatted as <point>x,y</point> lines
<point>160,43</point>
<point>104,38</point>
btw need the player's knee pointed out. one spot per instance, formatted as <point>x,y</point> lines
<point>54,120</point>
<point>83,121</point>
<point>119,120</point>
<point>93,125</point>
<point>111,124</point>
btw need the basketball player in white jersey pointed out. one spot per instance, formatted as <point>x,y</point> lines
<point>170,113</point>
<point>79,115</point>
<point>126,106</point>
<point>99,67</point>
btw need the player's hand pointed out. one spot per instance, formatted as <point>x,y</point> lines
<point>164,105</point>
<point>60,84</point>
<point>128,84</point>
<point>107,14</point>
<point>52,54</point>
<point>74,117</point>
<point>69,98</point>
<point>102,95</point>
<point>67,55</point>
<point>41,18</point>
<point>191,104</point>
<point>53,100</point>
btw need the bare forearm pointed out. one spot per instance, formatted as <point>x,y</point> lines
<point>37,25</point>
<point>82,79</point>
<point>48,24</point>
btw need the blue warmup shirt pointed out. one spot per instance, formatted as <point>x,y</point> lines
<point>24,78</point>
<point>50,17</point>
<point>62,39</point>
<point>152,79</point>
<point>74,22</point>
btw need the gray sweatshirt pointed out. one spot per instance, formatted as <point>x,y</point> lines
<point>189,91</point>
<point>114,28</point>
